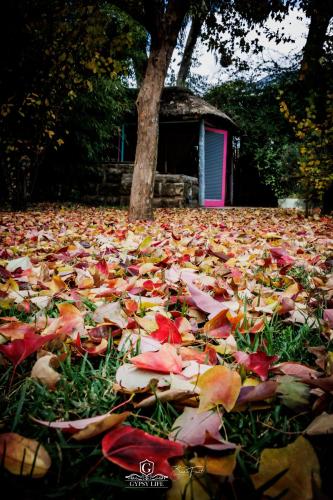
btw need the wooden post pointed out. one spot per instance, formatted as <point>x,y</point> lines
<point>202,164</point>
<point>122,155</point>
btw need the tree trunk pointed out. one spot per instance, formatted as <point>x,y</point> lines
<point>191,41</point>
<point>148,106</point>
<point>163,21</point>
<point>320,13</point>
<point>313,73</point>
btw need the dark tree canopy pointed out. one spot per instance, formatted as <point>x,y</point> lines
<point>163,21</point>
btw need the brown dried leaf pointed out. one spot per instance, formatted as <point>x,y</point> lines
<point>302,468</point>
<point>101,426</point>
<point>23,456</point>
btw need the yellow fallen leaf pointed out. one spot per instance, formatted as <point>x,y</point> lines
<point>226,346</point>
<point>272,236</point>
<point>291,290</point>
<point>102,425</point>
<point>23,456</point>
<point>57,284</point>
<point>251,382</point>
<point>148,323</point>
<point>186,486</point>
<point>302,469</point>
<point>11,285</point>
<point>220,466</point>
<point>219,385</point>
<point>145,243</point>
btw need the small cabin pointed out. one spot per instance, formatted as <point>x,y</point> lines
<point>196,140</point>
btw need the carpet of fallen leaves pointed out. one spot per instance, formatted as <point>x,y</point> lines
<point>191,306</point>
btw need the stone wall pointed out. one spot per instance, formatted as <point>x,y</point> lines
<point>110,184</point>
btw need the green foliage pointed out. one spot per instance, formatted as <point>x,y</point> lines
<point>315,145</point>
<point>94,120</point>
<point>267,140</point>
<point>57,51</point>
<point>277,164</point>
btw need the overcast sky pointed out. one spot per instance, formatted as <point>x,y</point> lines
<point>293,27</point>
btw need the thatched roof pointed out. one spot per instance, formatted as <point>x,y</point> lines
<point>179,103</point>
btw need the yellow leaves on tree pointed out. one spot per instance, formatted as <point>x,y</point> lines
<point>315,148</point>
<point>300,462</point>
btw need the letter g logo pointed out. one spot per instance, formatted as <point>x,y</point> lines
<point>146,467</point>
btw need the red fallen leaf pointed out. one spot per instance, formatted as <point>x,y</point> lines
<point>175,237</point>
<point>165,360</point>
<point>90,348</point>
<point>108,292</point>
<point>204,301</point>
<point>131,325</point>
<point>149,285</point>
<point>281,256</point>
<point>220,255</point>
<point>183,324</point>
<point>4,273</point>
<point>326,383</point>
<point>167,330</point>
<point>257,362</point>
<point>237,275</point>
<point>287,304</point>
<point>134,270</point>
<point>222,332</point>
<point>127,447</point>
<point>131,306</point>
<point>258,326</point>
<point>258,392</point>
<point>136,290</point>
<point>102,267</point>
<point>328,316</point>
<point>182,299</point>
<point>70,319</point>
<point>219,326</point>
<point>234,319</point>
<point>24,306</point>
<point>295,369</point>
<point>315,260</point>
<point>203,357</point>
<point>20,349</point>
<point>267,261</point>
<point>103,330</point>
<point>4,254</point>
<point>16,329</point>
<point>194,428</point>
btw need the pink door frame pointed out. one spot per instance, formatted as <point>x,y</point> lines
<point>220,203</point>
